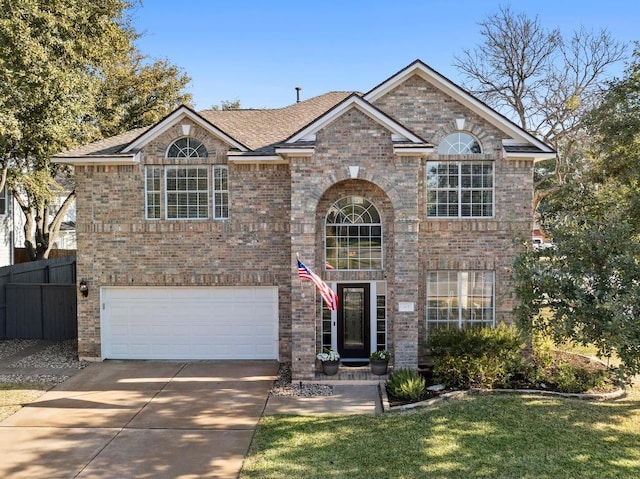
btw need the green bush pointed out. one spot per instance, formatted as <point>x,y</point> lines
<point>406,384</point>
<point>569,378</point>
<point>477,357</point>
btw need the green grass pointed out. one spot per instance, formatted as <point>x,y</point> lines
<point>13,395</point>
<point>486,436</point>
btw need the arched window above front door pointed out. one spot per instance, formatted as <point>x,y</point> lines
<point>353,235</point>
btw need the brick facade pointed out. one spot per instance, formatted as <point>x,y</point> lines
<point>278,209</point>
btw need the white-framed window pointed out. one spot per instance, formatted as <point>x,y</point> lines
<point>220,192</point>
<point>152,185</point>
<point>457,299</point>
<point>187,147</point>
<point>187,192</point>
<point>460,189</point>
<point>353,235</point>
<point>459,143</point>
<point>4,201</point>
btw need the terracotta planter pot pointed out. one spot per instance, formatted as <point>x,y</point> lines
<point>330,368</point>
<point>378,366</point>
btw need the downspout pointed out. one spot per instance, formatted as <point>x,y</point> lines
<point>12,232</point>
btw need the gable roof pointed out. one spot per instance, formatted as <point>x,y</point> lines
<point>262,129</point>
<point>175,117</point>
<point>501,122</point>
<point>354,101</point>
<point>251,130</point>
<point>264,133</point>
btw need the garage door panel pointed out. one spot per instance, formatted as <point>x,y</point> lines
<point>190,323</point>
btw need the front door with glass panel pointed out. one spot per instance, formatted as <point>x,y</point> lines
<point>354,337</point>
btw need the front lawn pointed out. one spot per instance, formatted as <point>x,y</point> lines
<point>488,436</point>
<point>15,394</point>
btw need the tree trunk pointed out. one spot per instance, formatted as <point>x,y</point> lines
<point>39,234</point>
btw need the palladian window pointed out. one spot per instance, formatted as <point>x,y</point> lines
<point>353,234</point>
<point>185,190</point>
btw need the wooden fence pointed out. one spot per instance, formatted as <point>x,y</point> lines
<point>38,300</point>
<point>20,255</point>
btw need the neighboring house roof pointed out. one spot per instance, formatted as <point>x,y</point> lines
<point>268,132</point>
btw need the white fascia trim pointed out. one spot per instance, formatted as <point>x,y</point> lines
<point>174,118</point>
<point>412,151</point>
<point>309,132</point>
<point>98,160</point>
<point>529,156</point>
<point>461,96</point>
<point>295,151</point>
<point>270,159</point>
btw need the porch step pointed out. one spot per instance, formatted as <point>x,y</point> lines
<point>354,375</point>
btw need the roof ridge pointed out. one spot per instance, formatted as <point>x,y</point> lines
<point>291,105</point>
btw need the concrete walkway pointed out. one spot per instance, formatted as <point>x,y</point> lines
<point>129,419</point>
<point>346,399</point>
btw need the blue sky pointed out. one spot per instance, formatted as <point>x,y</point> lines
<point>259,51</point>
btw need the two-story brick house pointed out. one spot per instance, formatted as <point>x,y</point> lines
<point>410,201</point>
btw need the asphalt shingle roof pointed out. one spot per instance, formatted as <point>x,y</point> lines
<point>258,129</point>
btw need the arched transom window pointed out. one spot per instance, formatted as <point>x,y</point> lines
<point>459,143</point>
<point>353,234</point>
<point>187,147</point>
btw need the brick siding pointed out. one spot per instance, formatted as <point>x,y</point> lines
<point>278,210</point>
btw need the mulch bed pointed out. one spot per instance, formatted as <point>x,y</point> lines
<point>560,357</point>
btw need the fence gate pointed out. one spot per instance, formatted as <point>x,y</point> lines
<point>38,300</point>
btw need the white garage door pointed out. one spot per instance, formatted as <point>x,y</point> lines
<point>189,323</point>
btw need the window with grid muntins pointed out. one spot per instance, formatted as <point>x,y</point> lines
<point>220,192</point>
<point>459,143</point>
<point>457,299</point>
<point>187,192</point>
<point>187,147</point>
<point>153,180</point>
<point>353,235</point>
<point>460,189</point>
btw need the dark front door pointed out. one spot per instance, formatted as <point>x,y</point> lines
<point>354,337</point>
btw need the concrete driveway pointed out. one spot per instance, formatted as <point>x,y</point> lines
<point>140,419</point>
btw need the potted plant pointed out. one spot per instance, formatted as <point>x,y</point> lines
<point>379,361</point>
<point>330,361</point>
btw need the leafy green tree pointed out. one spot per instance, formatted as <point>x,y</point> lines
<point>587,288</point>
<point>136,93</point>
<point>63,81</point>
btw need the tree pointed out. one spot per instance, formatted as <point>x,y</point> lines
<point>588,286</point>
<point>227,105</point>
<point>59,63</point>
<point>544,83</point>
<point>136,93</point>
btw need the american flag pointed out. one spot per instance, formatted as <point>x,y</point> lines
<point>329,296</point>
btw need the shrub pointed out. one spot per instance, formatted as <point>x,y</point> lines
<point>406,384</point>
<point>571,378</point>
<point>477,357</point>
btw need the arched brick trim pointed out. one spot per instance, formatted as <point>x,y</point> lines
<point>388,188</point>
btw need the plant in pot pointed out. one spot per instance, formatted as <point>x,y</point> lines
<point>379,362</point>
<point>330,361</point>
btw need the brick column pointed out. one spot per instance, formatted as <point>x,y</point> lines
<point>303,239</point>
<point>405,326</point>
